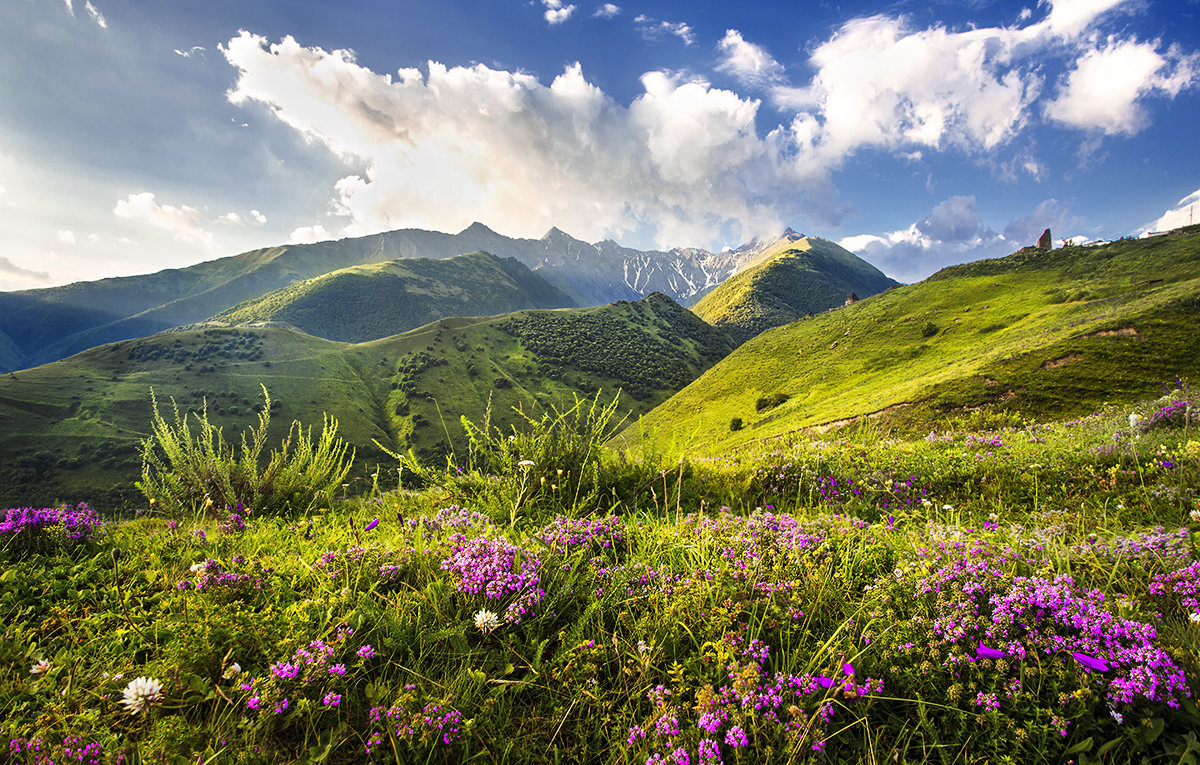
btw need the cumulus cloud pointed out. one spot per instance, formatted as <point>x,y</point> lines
<point>1184,213</point>
<point>653,29</point>
<point>607,11</point>
<point>1104,90</point>
<point>96,15</point>
<point>65,236</point>
<point>309,234</point>
<point>953,232</point>
<point>556,12</point>
<point>183,223</point>
<point>256,218</point>
<point>747,62</point>
<point>472,143</point>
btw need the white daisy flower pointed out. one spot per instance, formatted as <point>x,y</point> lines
<point>142,693</point>
<point>486,620</point>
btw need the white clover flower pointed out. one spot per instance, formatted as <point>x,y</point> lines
<point>142,693</point>
<point>947,507</point>
<point>196,567</point>
<point>41,668</point>
<point>486,620</point>
<point>526,463</point>
<point>1196,515</point>
<point>232,671</point>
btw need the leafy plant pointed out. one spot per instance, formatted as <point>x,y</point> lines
<point>186,471</point>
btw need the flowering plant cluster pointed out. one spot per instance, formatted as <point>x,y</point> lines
<point>752,706</point>
<point>1180,588</point>
<point>311,679</point>
<point>407,719</point>
<point>369,563</point>
<point>453,518</point>
<point>47,529</point>
<point>960,603</point>
<point>72,749</point>
<point>240,578</point>
<point>498,570</point>
<point>597,533</point>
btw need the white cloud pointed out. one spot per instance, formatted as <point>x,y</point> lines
<point>954,232</point>
<point>70,7</point>
<point>1103,91</point>
<point>183,223</point>
<point>96,15</point>
<point>309,234</point>
<point>556,12</point>
<point>65,236</point>
<point>653,29</point>
<point>195,50</point>
<point>14,277</point>
<point>607,11</point>
<point>749,63</point>
<point>1185,213</point>
<point>471,143</point>
<point>256,218</point>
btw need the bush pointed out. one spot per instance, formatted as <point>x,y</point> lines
<point>930,330</point>
<point>185,471</point>
<point>770,402</point>
<point>735,424</point>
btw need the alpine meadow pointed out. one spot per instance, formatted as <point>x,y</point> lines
<point>646,382</point>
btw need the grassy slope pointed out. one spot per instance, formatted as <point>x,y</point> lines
<point>1039,334</point>
<point>799,276</point>
<point>72,427</point>
<point>402,295</point>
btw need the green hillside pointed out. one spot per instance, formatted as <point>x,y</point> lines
<point>72,427</point>
<point>798,276</point>
<point>1048,334</point>
<point>379,299</point>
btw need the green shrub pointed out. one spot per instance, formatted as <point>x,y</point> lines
<point>770,402</point>
<point>930,330</point>
<point>735,424</point>
<point>186,471</point>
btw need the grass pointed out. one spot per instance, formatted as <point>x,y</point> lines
<point>73,428</point>
<point>1015,595</point>
<point>1042,335</point>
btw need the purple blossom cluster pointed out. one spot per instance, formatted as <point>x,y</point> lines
<point>968,602</point>
<point>598,533</point>
<point>368,561</point>
<point>1158,545</point>
<point>236,519</point>
<point>240,577</point>
<point>314,672</point>
<point>453,518</point>
<point>1180,587</point>
<point>751,700</point>
<point>73,750</point>
<point>436,721</point>
<point>34,529</point>
<point>1173,414</point>
<point>498,570</point>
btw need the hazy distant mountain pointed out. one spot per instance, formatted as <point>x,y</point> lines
<point>795,276</point>
<point>379,299</point>
<point>37,326</point>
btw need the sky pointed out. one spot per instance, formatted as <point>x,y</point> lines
<point>138,135</point>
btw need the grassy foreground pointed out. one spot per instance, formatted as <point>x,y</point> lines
<point>1024,595</point>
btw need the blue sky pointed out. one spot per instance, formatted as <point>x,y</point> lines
<point>137,135</point>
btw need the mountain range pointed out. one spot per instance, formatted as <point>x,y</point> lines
<point>38,326</point>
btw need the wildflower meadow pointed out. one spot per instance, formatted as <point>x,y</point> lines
<point>1024,595</point>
